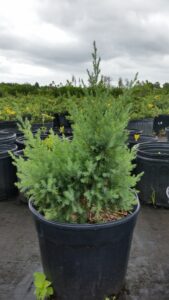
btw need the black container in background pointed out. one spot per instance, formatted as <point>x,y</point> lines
<point>20,141</point>
<point>14,131</point>
<point>160,123</point>
<point>47,126</point>
<point>67,133</point>
<point>132,141</point>
<point>7,137</point>
<point>134,131</point>
<point>153,160</point>
<point>11,127</point>
<point>61,120</point>
<point>167,133</point>
<point>19,153</point>
<point>145,125</point>
<point>8,124</point>
<point>85,261</point>
<point>7,173</point>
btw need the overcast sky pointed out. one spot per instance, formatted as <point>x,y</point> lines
<point>51,40</point>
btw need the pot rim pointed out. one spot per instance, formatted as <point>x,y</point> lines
<point>84,226</point>
<point>142,119</point>
<point>8,121</point>
<point>5,148</point>
<point>6,135</point>
<point>149,150</point>
<point>42,124</point>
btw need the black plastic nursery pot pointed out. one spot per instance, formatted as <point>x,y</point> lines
<point>153,160</point>
<point>167,133</point>
<point>11,127</point>
<point>14,131</point>
<point>47,126</point>
<point>160,123</point>
<point>20,141</point>
<point>145,125</point>
<point>19,153</point>
<point>85,261</point>
<point>133,131</point>
<point>8,124</point>
<point>7,173</point>
<point>140,138</point>
<point>61,120</point>
<point>7,137</point>
<point>67,133</point>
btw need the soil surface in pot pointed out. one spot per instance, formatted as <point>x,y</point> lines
<point>147,276</point>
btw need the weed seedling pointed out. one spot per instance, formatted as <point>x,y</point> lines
<point>43,288</point>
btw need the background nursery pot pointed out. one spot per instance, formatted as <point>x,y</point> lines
<point>153,160</point>
<point>60,119</point>
<point>140,138</point>
<point>47,126</point>
<point>145,125</point>
<point>167,133</point>
<point>160,123</point>
<point>7,137</point>
<point>85,261</point>
<point>7,173</point>
<point>20,141</point>
<point>8,124</point>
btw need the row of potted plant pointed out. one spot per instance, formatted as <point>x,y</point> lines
<point>42,107</point>
<point>37,109</point>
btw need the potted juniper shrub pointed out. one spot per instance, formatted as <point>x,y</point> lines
<point>83,200</point>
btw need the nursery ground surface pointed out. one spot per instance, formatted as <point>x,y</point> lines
<point>148,271</point>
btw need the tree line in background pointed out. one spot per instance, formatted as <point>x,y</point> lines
<point>141,88</point>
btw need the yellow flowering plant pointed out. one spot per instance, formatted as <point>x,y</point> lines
<point>7,114</point>
<point>37,109</point>
<point>143,107</point>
